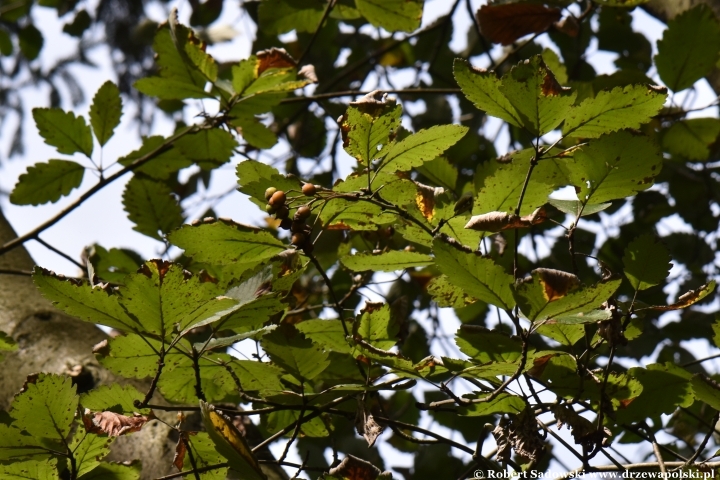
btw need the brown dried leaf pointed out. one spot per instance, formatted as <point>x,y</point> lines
<point>425,200</point>
<point>180,451</point>
<point>114,424</point>
<point>366,425</point>
<point>353,468</point>
<point>506,23</point>
<point>556,283</point>
<point>274,58</point>
<point>686,299</point>
<point>499,221</point>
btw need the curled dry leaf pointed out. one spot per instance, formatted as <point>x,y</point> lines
<point>499,221</point>
<point>686,299</point>
<point>114,424</point>
<point>425,199</point>
<point>180,451</point>
<point>366,425</point>
<point>556,283</point>
<point>274,58</point>
<point>353,468</point>
<point>506,23</point>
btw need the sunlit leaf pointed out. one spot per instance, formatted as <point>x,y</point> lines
<point>47,182</point>
<point>647,262</point>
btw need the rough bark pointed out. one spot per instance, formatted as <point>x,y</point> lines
<point>50,341</point>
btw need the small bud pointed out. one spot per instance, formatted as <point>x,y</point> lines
<point>269,192</point>
<point>270,209</point>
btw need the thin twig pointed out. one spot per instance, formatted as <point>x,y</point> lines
<point>16,242</point>
<point>326,13</point>
<point>59,252</point>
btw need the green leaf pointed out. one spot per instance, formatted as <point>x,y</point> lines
<point>163,165</point>
<point>392,15</point>
<point>30,470</point>
<point>80,23</point>
<point>368,129</point>
<point>499,182</point>
<point>328,333</point>
<point>64,131</point>
<point>225,243</point>
<point>665,388</point>
<point>576,208</point>
<point>689,48</point>
<point>130,356</point>
<point>180,77</point>
<point>257,376</point>
<point>14,444</point>
<point>378,326</point>
<point>6,45</point>
<point>230,443</point>
<point>440,171</point>
<point>224,342</point>
<point>691,139</point>
<point>114,398</point>
<point>46,408</point>
<point>553,62</point>
<point>503,403</point>
<point>255,133</point>
<point>445,294</point>
<point>105,111</point>
<point>169,89</point>
<point>485,346</point>
<point>422,147</point>
<point>114,471</point>
<point>81,300</point>
<point>482,88</point>
<point>152,207</point>
<point>540,101</point>
<point>165,299</point>
<point>593,316</point>
<point>88,449</point>
<point>244,73</point>
<point>281,16</point>
<point>476,275</point>
<point>386,261</point>
<point>204,454</point>
<point>614,166</point>
<point>31,41</point>
<point>295,354</point>
<point>646,261</point>
<point>47,182</point>
<point>209,147</point>
<point>256,177</point>
<point>115,264</point>
<point>562,333</point>
<point>178,381</point>
<point>613,110</point>
<point>551,293</point>
<point>706,390</point>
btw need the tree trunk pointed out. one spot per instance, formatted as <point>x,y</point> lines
<point>50,341</point>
